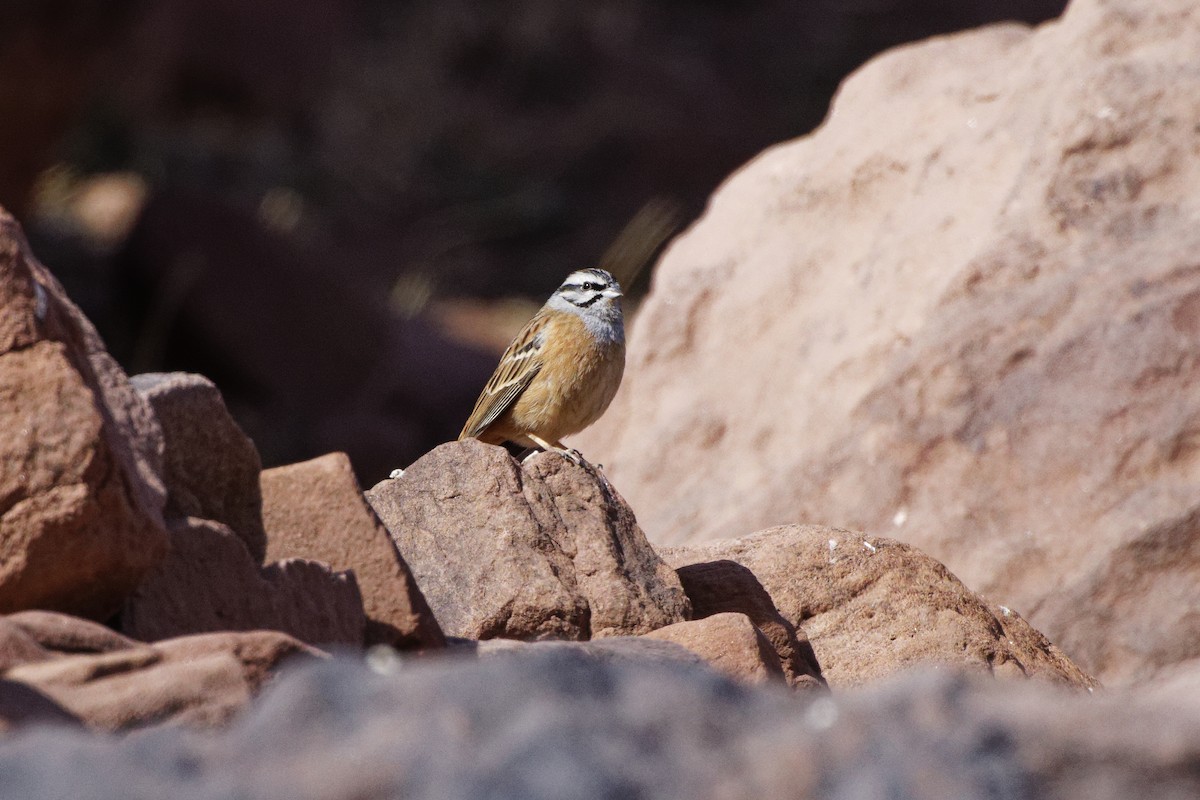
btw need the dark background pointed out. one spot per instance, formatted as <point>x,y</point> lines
<point>321,204</point>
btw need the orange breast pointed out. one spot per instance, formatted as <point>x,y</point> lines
<point>577,381</point>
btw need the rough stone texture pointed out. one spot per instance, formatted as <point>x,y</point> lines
<point>629,589</point>
<point>195,680</point>
<point>17,646</point>
<point>493,547</point>
<point>211,468</point>
<point>66,634</point>
<point>874,606</point>
<point>965,312</point>
<point>729,643</point>
<point>717,587</point>
<point>551,722</point>
<point>315,510</point>
<point>80,494</point>
<point>209,582</point>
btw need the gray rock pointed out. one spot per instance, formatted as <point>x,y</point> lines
<point>556,721</point>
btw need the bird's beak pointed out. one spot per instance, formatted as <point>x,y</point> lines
<point>611,291</point>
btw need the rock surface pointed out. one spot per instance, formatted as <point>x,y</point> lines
<point>729,643</point>
<point>80,456</point>
<point>211,468</point>
<point>210,583</point>
<point>719,587</point>
<point>544,550</point>
<point>213,579</point>
<point>552,722</point>
<point>66,669</point>
<point>629,589</point>
<point>315,510</point>
<point>965,313</point>
<point>874,606</point>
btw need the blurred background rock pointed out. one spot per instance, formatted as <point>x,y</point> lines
<point>339,210</point>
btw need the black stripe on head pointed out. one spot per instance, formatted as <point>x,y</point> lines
<point>584,287</point>
<point>586,303</point>
<point>589,275</point>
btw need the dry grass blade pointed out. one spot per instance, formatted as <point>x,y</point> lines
<point>640,240</point>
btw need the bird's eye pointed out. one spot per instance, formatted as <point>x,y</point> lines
<point>590,287</point>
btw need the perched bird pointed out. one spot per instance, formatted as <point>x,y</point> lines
<point>560,372</point>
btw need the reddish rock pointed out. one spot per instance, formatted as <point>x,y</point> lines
<point>213,580</point>
<point>66,634</point>
<point>196,680</point>
<point>210,582</point>
<point>629,589</point>
<point>17,646</point>
<point>873,607</point>
<point>80,495</point>
<point>479,547</point>
<point>491,545</point>
<point>718,587</point>
<point>211,468</point>
<point>728,642</point>
<point>315,510</point>
<point>973,327</point>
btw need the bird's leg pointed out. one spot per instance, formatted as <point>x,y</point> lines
<point>574,456</point>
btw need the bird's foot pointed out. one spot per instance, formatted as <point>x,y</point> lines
<point>569,453</point>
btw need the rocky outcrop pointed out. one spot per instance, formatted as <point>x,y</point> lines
<point>68,670</point>
<point>548,549</point>
<point>729,643</point>
<point>963,313</point>
<point>210,583</point>
<point>541,550</point>
<point>723,586</point>
<point>873,606</point>
<point>213,579</point>
<point>315,510</point>
<point>210,467</point>
<point>81,499</point>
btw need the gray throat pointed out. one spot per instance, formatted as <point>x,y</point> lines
<point>606,323</point>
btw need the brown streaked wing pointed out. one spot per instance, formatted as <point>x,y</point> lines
<point>517,367</point>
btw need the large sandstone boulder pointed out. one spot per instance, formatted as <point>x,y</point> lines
<point>81,498</point>
<point>874,606</point>
<point>546,549</point>
<point>315,510</point>
<point>964,312</point>
<point>65,669</point>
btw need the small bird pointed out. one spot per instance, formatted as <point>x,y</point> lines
<point>560,372</point>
